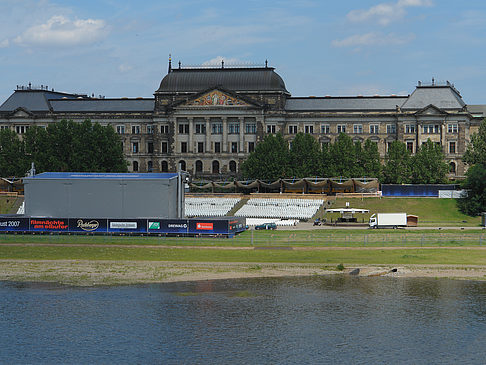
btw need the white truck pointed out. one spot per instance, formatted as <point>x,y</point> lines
<point>388,220</point>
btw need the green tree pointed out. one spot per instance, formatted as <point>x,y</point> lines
<point>369,159</point>
<point>269,161</point>
<point>428,166</point>
<point>396,169</point>
<point>305,156</point>
<point>476,149</point>
<point>475,184</point>
<point>343,157</point>
<point>12,154</point>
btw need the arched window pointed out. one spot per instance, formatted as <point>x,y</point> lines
<point>452,167</point>
<point>182,165</point>
<point>232,166</point>
<point>199,166</point>
<point>164,166</point>
<point>215,167</point>
<point>135,166</point>
<point>150,166</point>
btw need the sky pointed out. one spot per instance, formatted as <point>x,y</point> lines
<point>120,48</point>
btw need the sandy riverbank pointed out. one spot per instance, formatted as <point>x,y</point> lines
<point>92,273</point>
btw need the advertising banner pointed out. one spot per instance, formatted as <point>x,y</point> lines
<point>237,224</point>
<point>88,225</point>
<point>208,226</point>
<point>127,225</point>
<point>14,224</point>
<point>167,226</point>
<point>49,224</point>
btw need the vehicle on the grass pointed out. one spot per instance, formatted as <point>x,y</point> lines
<point>266,226</point>
<point>388,220</point>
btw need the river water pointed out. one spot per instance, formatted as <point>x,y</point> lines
<point>333,319</point>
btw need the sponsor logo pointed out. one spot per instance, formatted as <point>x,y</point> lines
<point>123,225</point>
<point>55,224</point>
<point>88,226</point>
<point>154,225</point>
<point>204,226</point>
<point>177,225</point>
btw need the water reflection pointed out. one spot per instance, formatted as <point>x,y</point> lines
<point>285,320</point>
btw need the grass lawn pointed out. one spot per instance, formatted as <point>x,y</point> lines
<point>431,211</point>
<point>6,204</point>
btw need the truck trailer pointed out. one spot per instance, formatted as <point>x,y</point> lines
<point>388,220</point>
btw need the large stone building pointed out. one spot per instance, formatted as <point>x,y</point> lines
<point>209,119</point>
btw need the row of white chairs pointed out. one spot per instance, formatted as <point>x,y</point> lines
<point>21,209</point>
<point>209,207</point>
<point>279,222</point>
<point>280,208</point>
<point>285,202</point>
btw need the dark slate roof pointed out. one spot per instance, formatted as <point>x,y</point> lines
<point>32,100</point>
<point>235,79</point>
<point>443,97</point>
<point>477,110</point>
<point>102,105</point>
<point>352,103</point>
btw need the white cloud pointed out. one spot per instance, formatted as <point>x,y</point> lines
<point>386,13</point>
<point>124,68</point>
<point>227,61</point>
<point>4,44</point>
<point>61,31</point>
<point>373,39</point>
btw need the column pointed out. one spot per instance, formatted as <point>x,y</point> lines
<point>208,133</point>
<point>225,134</point>
<point>190,147</point>
<point>241,144</point>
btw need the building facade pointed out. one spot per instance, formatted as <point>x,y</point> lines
<point>208,120</point>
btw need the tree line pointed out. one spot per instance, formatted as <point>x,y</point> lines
<point>63,146</point>
<point>273,159</point>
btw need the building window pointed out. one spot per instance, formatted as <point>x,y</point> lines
<point>409,128</point>
<point>183,128</point>
<point>374,129</point>
<point>164,166</point>
<point>232,166</point>
<point>309,129</point>
<point>357,128</point>
<point>21,129</point>
<point>271,128</point>
<point>182,165</point>
<point>250,128</point>
<point>150,129</point>
<point>215,166</point>
<point>325,129</point>
<point>164,129</point>
<point>165,147</point>
<point>452,167</point>
<point>217,147</point>
<point>324,146</point>
<point>452,147</point>
<point>431,129</point>
<point>341,128</point>
<point>150,166</point>
<point>217,128</point>
<point>410,146</point>
<point>198,166</point>
<point>200,147</point>
<point>150,147</point>
<point>120,129</point>
<point>234,147</point>
<point>292,129</point>
<point>234,128</point>
<point>135,147</point>
<point>183,147</point>
<point>452,128</point>
<point>251,147</point>
<point>391,129</point>
<point>200,128</point>
<point>135,129</point>
<point>6,127</point>
<point>135,166</point>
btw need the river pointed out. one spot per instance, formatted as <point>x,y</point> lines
<point>331,319</point>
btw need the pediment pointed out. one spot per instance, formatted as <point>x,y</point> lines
<point>430,110</point>
<point>216,98</point>
<point>20,113</point>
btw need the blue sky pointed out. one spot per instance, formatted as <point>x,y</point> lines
<point>120,48</point>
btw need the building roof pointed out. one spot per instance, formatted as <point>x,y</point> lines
<point>100,175</point>
<point>33,100</point>
<point>102,105</point>
<point>235,79</point>
<point>477,110</point>
<point>351,103</point>
<point>441,96</point>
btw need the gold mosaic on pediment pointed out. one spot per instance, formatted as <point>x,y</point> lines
<point>217,97</point>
